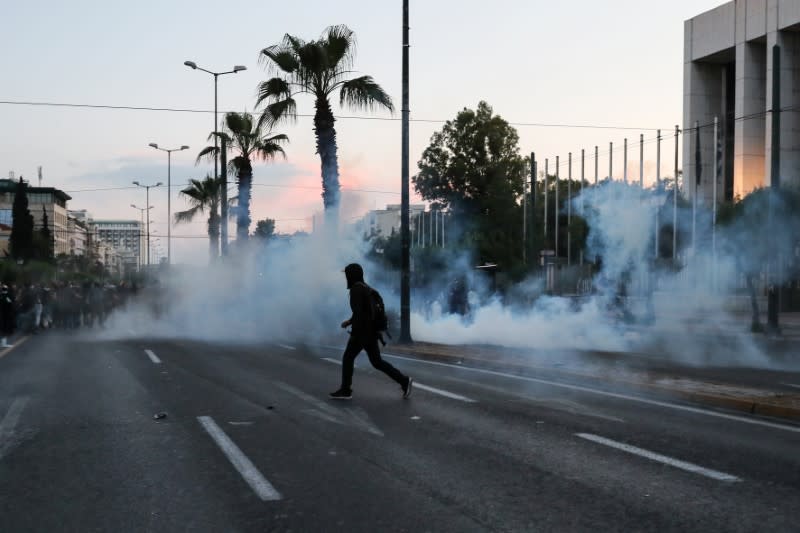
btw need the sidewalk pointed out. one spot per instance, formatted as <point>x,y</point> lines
<point>773,393</point>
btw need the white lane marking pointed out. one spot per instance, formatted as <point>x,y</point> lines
<point>440,392</point>
<point>358,417</point>
<point>153,357</point>
<point>12,417</point>
<point>8,424</point>
<point>795,385</point>
<point>677,463</point>
<point>696,410</point>
<point>418,385</point>
<point>14,346</point>
<point>287,347</point>
<point>240,462</point>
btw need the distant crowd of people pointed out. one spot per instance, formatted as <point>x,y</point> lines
<point>31,308</point>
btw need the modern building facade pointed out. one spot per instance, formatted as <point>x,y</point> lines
<point>385,222</point>
<point>124,235</point>
<point>41,200</point>
<point>728,73</point>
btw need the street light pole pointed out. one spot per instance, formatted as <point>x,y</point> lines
<point>169,194</point>
<point>141,212</point>
<point>224,184</point>
<point>147,188</point>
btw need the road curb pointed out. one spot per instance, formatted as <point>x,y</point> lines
<point>747,404</point>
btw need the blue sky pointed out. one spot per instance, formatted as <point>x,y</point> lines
<point>616,62</point>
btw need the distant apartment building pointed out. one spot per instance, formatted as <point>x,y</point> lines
<point>385,222</point>
<point>41,200</point>
<point>124,235</point>
<point>728,74</point>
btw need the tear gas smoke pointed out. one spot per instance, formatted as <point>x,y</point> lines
<point>296,291</point>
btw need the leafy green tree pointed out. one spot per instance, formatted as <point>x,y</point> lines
<point>318,68</point>
<point>473,168</point>
<point>203,196</point>
<point>754,230</point>
<point>250,140</point>
<point>21,239</point>
<point>265,229</point>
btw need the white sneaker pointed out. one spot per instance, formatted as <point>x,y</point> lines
<point>6,345</point>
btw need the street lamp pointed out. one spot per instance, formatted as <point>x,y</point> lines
<point>141,211</point>
<point>169,194</point>
<point>224,185</point>
<point>147,188</point>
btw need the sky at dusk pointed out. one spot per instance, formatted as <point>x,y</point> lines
<point>616,62</point>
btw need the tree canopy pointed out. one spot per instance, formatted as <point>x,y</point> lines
<point>473,168</point>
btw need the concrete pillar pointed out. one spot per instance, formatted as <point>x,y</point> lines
<point>750,128</point>
<point>703,100</point>
<point>789,43</point>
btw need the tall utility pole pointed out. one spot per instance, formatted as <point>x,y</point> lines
<point>556,208</point>
<point>625,161</point>
<point>773,323</point>
<point>405,237</point>
<point>569,211</point>
<point>658,189</point>
<point>546,185</point>
<point>675,200</point>
<point>223,196</point>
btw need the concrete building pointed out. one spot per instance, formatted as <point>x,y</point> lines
<point>385,222</point>
<point>79,238</point>
<point>728,73</point>
<point>124,235</point>
<point>40,200</point>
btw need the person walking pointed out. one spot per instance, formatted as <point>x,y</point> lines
<point>8,315</point>
<point>363,336</point>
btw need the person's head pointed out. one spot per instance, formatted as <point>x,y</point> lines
<point>354,274</point>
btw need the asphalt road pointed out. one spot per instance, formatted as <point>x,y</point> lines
<point>250,442</point>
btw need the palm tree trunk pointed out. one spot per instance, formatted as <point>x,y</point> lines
<point>245,178</point>
<point>327,150</point>
<point>213,235</point>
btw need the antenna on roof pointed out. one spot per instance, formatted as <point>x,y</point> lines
<point>40,175</point>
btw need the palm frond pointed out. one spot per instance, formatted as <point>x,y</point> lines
<point>274,89</point>
<point>238,123</point>
<point>269,150</point>
<point>364,93</point>
<point>279,57</point>
<point>219,135</point>
<point>182,217</point>
<point>207,154</point>
<point>339,43</point>
<point>275,112</point>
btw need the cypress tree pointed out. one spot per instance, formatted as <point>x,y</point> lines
<point>21,239</point>
<point>46,237</point>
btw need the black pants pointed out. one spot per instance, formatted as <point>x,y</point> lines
<point>354,347</point>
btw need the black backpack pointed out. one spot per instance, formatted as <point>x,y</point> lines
<point>380,322</point>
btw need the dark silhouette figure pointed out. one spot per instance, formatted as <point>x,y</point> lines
<point>8,315</point>
<point>363,336</point>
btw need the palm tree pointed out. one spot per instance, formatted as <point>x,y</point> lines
<point>203,195</point>
<point>251,140</point>
<point>318,68</point>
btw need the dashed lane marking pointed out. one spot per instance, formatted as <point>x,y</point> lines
<point>677,463</point>
<point>685,408</point>
<point>153,357</point>
<point>418,385</point>
<point>15,346</point>
<point>239,460</point>
<point>287,347</point>
<point>352,416</point>
<point>795,385</point>
<point>9,422</point>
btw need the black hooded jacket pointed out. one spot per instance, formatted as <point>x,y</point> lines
<point>360,303</point>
